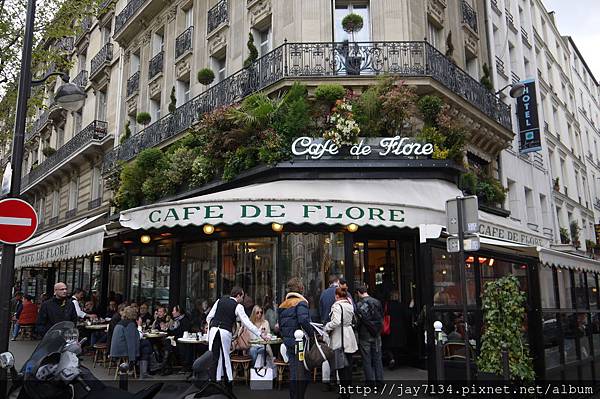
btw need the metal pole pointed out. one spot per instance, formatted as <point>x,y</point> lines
<point>463,278</point>
<point>7,271</point>
<point>439,348</point>
<point>124,376</point>
<point>505,365</point>
<point>299,354</point>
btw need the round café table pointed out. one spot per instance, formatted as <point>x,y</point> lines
<point>199,346</point>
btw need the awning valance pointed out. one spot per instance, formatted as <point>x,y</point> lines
<point>68,242</point>
<point>565,260</point>
<point>380,202</point>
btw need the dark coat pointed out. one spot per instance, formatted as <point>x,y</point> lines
<point>293,315</point>
<point>111,328</point>
<point>400,325</point>
<point>125,340</point>
<point>179,326</point>
<point>54,311</point>
<point>326,301</point>
<point>370,312</point>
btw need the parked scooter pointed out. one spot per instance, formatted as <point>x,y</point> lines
<point>203,384</point>
<point>53,371</point>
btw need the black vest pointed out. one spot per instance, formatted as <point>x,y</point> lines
<point>225,314</point>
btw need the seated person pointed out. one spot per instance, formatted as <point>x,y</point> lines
<point>179,324</point>
<point>146,317</point>
<point>257,318</point>
<point>27,315</point>
<point>161,319</point>
<point>112,309</point>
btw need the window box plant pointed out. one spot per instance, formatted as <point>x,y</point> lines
<point>206,76</point>
<point>565,238</point>
<point>48,151</point>
<point>143,118</point>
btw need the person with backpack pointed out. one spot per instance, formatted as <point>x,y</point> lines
<point>370,323</point>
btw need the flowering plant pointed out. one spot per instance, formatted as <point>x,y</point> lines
<point>344,129</point>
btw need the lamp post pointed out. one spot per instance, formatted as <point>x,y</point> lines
<point>516,89</point>
<point>70,96</point>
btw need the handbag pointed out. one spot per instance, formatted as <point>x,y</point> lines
<point>387,322</point>
<point>261,378</point>
<point>240,342</point>
<point>340,359</point>
<point>316,354</point>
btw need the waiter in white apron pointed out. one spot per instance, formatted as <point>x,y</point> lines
<point>221,319</point>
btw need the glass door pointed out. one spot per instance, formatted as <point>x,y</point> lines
<point>199,273</point>
<point>150,279</point>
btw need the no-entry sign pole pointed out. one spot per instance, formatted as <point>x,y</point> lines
<point>7,271</point>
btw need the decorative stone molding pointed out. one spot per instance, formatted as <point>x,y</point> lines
<point>172,13</point>
<point>183,66</point>
<point>132,104</point>
<point>259,11</point>
<point>436,10</point>
<point>155,87</point>
<point>471,40</point>
<point>145,39</point>
<point>217,42</point>
<point>127,55</point>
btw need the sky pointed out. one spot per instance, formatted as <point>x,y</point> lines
<point>579,19</point>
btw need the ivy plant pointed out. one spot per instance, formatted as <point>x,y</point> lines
<point>503,305</point>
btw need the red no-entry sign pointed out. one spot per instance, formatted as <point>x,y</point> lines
<point>18,221</point>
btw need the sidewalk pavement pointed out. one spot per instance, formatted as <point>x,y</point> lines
<point>175,383</point>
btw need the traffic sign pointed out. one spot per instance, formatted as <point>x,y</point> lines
<point>470,243</point>
<point>470,212</point>
<point>18,221</point>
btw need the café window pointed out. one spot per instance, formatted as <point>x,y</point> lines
<point>250,264</point>
<point>313,257</point>
<point>447,287</point>
<point>493,269</point>
<point>564,288</point>
<point>547,287</point>
<point>581,301</point>
<point>199,273</point>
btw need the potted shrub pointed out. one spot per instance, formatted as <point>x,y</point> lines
<point>352,23</point>
<point>564,236</point>
<point>589,246</point>
<point>206,76</point>
<point>252,51</point>
<point>173,103</point>
<point>575,229</point>
<point>143,118</point>
<point>503,305</point>
<point>48,151</point>
<point>485,80</point>
<point>126,134</point>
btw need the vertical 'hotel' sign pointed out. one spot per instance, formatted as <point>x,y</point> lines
<point>529,124</point>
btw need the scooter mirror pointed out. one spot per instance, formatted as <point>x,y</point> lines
<point>7,360</point>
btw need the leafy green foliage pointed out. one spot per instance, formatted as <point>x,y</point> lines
<point>503,305</point>
<point>242,159</point>
<point>352,23</point>
<point>126,133</point>
<point>252,51</point>
<point>398,105</point>
<point>206,76</point>
<point>330,93</point>
<point>48,151</point>
<point>143,118</point>
<point>173,103</point>
<point>485,80</point>
<point>293,118</point>
<point>430,107</point>
<point>565,238</point>
<point>489,190</point>
<point>575,230</point>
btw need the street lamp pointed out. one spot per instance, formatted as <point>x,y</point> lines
<point>68,96</point>
<point>516,89</point>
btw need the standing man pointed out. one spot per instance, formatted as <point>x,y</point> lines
<point>55,310</point>
<point>221,320</point>
<point>17,306</point>
<point>370,316</point>
<point>77,297</point>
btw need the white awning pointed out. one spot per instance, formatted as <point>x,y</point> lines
<point>58,245</point>
<point>565,260</point>
<point>381,202</point>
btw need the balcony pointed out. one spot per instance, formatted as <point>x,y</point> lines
<point>510,21</point>
<point>70,213</point>
<point>127,14</point>
<point>95,203</point>
<point>101,60</point>
<point>217,16</point>
<point>183,43</point>
<point>65,44</point>
<point>469,16</point>
<point>597,204</point>
<point>514,78</point>
<point>81,79</point>
<point>156,65</point>
<point>316,61</point>
<point>70,154</point>
<point>495,7</point>
<point>39,123</point>
<point>525,37</point>
<point>134,18</point>
<point>86,25</point>
<point>105,6</point>
<point>133,84</point>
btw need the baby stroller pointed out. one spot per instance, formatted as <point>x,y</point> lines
<point>203,385</point>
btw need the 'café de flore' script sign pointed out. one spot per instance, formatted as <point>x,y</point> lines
<point>405,147</point>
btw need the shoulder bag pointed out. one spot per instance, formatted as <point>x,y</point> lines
<point>387,322</point>
<point>340,359</point>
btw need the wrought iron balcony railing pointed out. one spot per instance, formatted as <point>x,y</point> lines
<point>65,44</point>
<point>306,60</point>
<point>129,11</point>
<point>37,125</point>
<point>525,37</point>
<point>86,25</point>
<point>70,213</point>
<point>95,203</point>
<point>103,57</point>
<point>104,6</point>
<point>183,43</point>
<point>133,83</point>
<point>156,65</point>
<point>514,77</point>
<point>500,66</point>
<point>96,130</point>
<point>81,79</point>
<point>469,16</point>
<point>217,15</point>
<point>510,21</point>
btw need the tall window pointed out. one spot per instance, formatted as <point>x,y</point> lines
<point>101,105</point>
<point>345,7</point>
<point>73,192</point>
<point>55,203</point>
<point>220,65</point>
<point>545,214</point>
<point>189,17</point>
<point>106,29</point>
<point>434,34</point>
<point>182,89</point>
<point>513,199</point>
<point>155,110</point>
<point>263,38</point>
<point>134,63</point>
<point>82,60</point>
<point>77,118</point>
<point>157,43</point>
<point>96,183</point>
<point>60,135</point>
<point>41,210</point>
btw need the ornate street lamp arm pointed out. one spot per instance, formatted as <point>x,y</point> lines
<point>64,76</point>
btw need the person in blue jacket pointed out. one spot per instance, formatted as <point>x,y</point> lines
<point>294,315</point>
